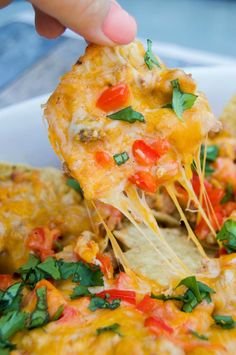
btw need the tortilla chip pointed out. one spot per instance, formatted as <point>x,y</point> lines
<point>143,258</point>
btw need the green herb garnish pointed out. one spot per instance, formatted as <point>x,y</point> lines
<point>58,313</point>
<point>101,303</point>
<point>29,272</point>
<point>149,57</point>
<point>128,115</point>
<point>227,235</point>
<point>196,292</point>
<point>50,267</point>
<point>121,158</point>
<point>165,298</point>
<point>180,101</point>
<point>11,323</point>
<point>40,315</point>
<point>199,336</point>
<point>85,274</point>
<point>110,328</point>
<point>212,152</point>
<point>80,291</point>
<point>75,185</point>
<point>6,347</point>
<point>10,299</point>
<point>229,194</point>
<point>225,322</point>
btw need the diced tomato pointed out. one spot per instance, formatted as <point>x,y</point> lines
<point>217,218</point>
<point>202,230</point>
<point>113,98</point>
<point>144,180</point>
<point>103,158</point>
<point>158,325</point>
<point>41,241</point>
<point>221,251</point>
<point>144,154</point>
<point>215,194</point>
<point>6,281</point>
<point>161,146</point>
<point>106,266</point>
<point>123,295</point>
<point>124,281</point>
<point>229,207</point>
<point>69,314</point>
<point>147,305</point>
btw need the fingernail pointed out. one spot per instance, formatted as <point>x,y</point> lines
<point>119,26</point>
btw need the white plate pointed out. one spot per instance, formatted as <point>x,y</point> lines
<point>23,134</point>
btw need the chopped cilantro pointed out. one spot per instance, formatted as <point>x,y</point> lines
<point>212,152</point>
<point>100,303</point>
<point>11,323</point>
<point>29,272</point>
<point>80,291</point>
<point>149,57</point>
<point>227,235</point>
<point>109,328</point>
<point>85,274</point>
<point>225,322</point>
<point>58,313</point>
<point>128,115</point>
<point>163,297</point>
<point>50,267</point>
<point>121,158</point>
<point>229,194</point>
<point>191,283</point>
<point>75,185</point>
<point>180,101</point>
<point>199,336</point>
<point>6,347</point>
<point>40,315</point>
<point>196,292</point>
<point>11,298</point>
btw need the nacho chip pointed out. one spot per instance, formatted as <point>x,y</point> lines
<point>144,260</point>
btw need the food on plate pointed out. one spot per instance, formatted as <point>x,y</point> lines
<point>132,249</point>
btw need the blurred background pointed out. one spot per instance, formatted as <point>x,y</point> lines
<point>185,33</point>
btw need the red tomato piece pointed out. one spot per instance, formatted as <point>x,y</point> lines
<point>143,153</point>
<point>229,207</point>
<point>41,241</point>
<point>161,146</point>
<point>6,281</point>
<point>147,305</point>
<point>69,313</point>
<point>123,295</point>
<point>145,181</point>
<point>158,325</point>
<point>106,266</point>
<point>124,281</point>
<point>103,158</point>
<point>113,98</point>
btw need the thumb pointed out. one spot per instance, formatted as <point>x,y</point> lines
<point>98,21</point>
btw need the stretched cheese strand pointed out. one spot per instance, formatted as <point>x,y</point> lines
<point>203,194</point>
<point>115,246</point>
<point>171,191</point>
<point>88,209</point>
<point>188,187</point>
<point>141,207</point>
<point>123,205</point>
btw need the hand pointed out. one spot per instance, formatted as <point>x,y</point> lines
<point>98,21</point>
